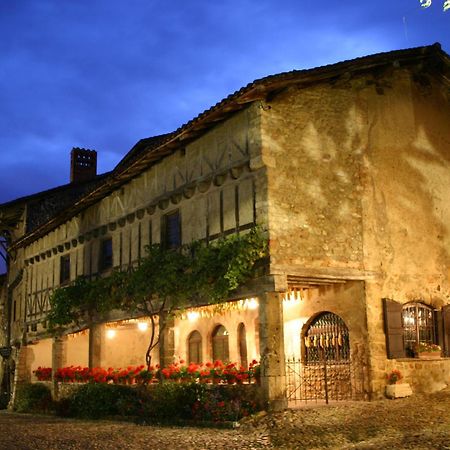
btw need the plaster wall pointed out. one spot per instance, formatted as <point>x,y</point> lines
<point>126,348</point>
<point>39,355</point>
<point>205,326</point>
<point>77,350</point>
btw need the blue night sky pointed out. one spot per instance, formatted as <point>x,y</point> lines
<point>103,74</point>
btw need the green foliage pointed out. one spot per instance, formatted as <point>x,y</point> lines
<point>33,398</point>
<point>227,403</point>
<point>172,402</point>
<point>165,280</point>
<point>96,401</point>
<point>167,402</point>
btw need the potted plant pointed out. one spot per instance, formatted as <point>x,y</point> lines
<point>394,389</point>
<point>425,350</point>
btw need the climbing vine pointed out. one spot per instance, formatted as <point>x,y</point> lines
<point>164,281</point>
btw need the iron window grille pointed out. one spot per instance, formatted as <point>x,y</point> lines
<point>418,327</point>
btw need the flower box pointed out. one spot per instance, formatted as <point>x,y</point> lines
<point>399,390</point>
<point>429,355</point>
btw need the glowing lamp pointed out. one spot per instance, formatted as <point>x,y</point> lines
<point>252,303</point>
<point>193,315</point>
<point>111,334</point>
<point>142,326</point>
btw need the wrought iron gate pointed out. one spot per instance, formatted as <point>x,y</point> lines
<point>326,372</point>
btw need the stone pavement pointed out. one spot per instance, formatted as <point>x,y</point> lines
<point>418,422</point>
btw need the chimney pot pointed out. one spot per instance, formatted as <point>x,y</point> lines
<point>83,165</point>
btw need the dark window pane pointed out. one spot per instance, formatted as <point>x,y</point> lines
<point>106,254</point>
<point>171,230</point>
<point>64,272</point>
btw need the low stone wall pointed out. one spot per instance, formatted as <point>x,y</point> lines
<point>423,375</point>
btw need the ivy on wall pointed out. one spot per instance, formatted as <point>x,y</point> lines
<point>164,281</point>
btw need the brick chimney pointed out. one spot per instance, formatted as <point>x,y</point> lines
<point>83,165</point>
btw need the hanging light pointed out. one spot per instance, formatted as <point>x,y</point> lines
<point>110,334</point>
<point>193,315</point>
<point>142,326</point>
<point>252,303</point>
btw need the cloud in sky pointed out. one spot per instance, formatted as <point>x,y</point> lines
<point>103,74</point>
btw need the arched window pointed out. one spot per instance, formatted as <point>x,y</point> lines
<point>220,344</point>
<point>418,326</point>
<point>242,345</point>
<point>195,347</point>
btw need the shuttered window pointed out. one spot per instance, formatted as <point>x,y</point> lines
<point>408,325</point>
<point>446,330</point>
<point>393,327</point>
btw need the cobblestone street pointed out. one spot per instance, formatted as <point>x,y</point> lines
<point>418,422</point>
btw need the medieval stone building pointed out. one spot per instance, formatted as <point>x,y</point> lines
<point>346,166</point>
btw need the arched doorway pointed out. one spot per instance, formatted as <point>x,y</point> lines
<point>324,372</point>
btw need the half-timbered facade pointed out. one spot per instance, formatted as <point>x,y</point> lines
<point>347,169</point>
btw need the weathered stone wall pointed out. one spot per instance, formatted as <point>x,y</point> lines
<point>358,176</point>
<point>406,204</point>
<point>422,375</point>
<point>347,300</point>
<point>312,142</point>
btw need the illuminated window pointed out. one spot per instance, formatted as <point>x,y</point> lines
<point>195,347</point>
<point>418,326</point>
<point>220,344</point>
